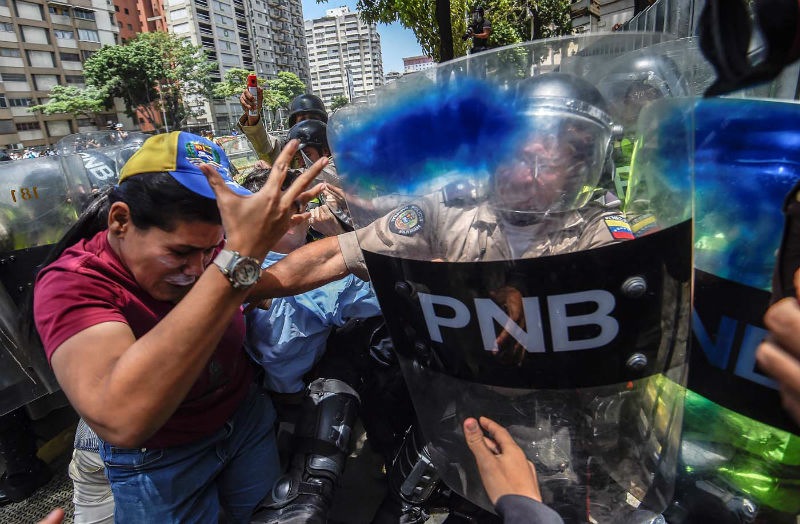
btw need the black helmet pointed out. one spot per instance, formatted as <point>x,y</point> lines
<point>478,9</point>
<point>307,104</point>
<point>311,133</point>
<point>535,91</point>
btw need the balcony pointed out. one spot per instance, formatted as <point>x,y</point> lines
<point>201,3</point>
<point>206,29</point>
<point>239,13</point>
<point>242,26</point>
<point>238,3</point>
<point>203,17</point>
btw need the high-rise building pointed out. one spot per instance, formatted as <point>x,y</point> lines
<point>43,44</point>
<point>139,16</point>
<point>344,55</point>
<point>413,64</point>
<point>265,36</point>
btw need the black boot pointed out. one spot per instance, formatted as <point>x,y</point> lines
<point>25,472</point>
<point>304,493</point>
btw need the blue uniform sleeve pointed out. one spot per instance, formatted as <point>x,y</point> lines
<point>356,300</point>
<point>516,509</point>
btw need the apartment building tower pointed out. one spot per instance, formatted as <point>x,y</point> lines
<point>139,16</point>
<point>43,44</point>
<point>344,55</point>
<point>265,36</point>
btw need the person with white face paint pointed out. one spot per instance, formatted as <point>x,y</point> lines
<point>145,337</point>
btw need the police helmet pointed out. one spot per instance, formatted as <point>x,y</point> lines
<point>307,104</point>
<point>478,9</point>
<point>560,151</point>
<point>633,82</point>
<point>310,133</point>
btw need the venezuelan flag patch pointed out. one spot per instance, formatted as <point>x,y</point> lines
<point>644,224</point>
<point>618,227</point>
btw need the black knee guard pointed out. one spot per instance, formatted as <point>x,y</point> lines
<point>304,493</point>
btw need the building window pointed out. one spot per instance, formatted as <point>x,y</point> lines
<point>130,27</point>
<point>6,27</point>
<point>20,102</point>
<point>7,51</point>
<point>75,79</point>
<point>60,11</point>
<point>88,35</point>
<point>64,35</point>
<point>4,3</point>
<point>14,77</point>
<point>70,57</point>
<point>119,24</point>
<point>3,102</point>
<point>28,126</point>
<point>85,15</point>
<point>127,12</point>
<point>6,127</point>
<point>116,8</point>
<point>87,54</point>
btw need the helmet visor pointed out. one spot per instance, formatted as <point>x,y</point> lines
<point>554,164</point>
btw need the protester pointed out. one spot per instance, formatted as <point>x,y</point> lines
<point>173,404</point>
<point>507,475</point>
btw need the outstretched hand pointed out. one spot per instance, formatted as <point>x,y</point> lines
<point>779,355</point>
<point>502,464</point>
<point>254,223</point>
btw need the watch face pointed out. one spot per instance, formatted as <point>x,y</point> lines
<point>245,272</point>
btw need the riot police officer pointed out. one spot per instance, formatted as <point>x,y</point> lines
<point>538,204</point>
<point>303,107</point>
<point>479,30</point>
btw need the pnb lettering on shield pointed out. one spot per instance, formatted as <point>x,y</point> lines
<point>532,339</point>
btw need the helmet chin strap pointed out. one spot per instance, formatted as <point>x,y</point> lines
<point>306,160</point>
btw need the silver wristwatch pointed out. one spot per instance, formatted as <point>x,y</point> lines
<point>241,271</point>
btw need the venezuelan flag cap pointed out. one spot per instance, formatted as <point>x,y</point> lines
<point>180,154</point>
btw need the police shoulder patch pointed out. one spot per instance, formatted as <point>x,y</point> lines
<point>407,220</point>
<point>618,227</point>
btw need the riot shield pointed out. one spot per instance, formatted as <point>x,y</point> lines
<point>42,198</point>
<point>509,290</point>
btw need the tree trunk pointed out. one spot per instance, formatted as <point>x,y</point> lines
<point>445,30</point>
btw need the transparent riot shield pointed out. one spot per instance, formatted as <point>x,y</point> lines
<point>41,199</point>
<point>512,287</point>
<point>239,151</point>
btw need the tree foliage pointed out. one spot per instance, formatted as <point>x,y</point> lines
<point>153,71</point>
<point>283,90</point>
<point>87,102</point>
<point>511,20</point>
<point>337,102</point>
<point>234,82</point>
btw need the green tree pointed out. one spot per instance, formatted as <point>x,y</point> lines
<point>234,82</point>
<point>88,102</point>
<point>549,18</point>
<point>282,90</point>
<point>339,101</point>
<point>153,71</point>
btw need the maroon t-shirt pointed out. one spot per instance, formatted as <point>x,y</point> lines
<point>88,285</point>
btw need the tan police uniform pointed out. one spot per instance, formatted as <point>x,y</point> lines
<point>266,147</point>
<point>429,230</point>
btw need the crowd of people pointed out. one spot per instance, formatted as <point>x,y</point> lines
<point>181,371</point>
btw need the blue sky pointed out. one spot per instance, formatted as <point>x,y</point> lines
<point>396,41</point>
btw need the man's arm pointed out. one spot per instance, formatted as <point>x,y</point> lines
<point>265,146</point>
<point>307,268</point>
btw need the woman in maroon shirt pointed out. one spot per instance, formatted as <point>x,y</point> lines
<point>147,344</point>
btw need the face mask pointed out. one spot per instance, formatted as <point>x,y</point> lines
<point>476,17</point>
